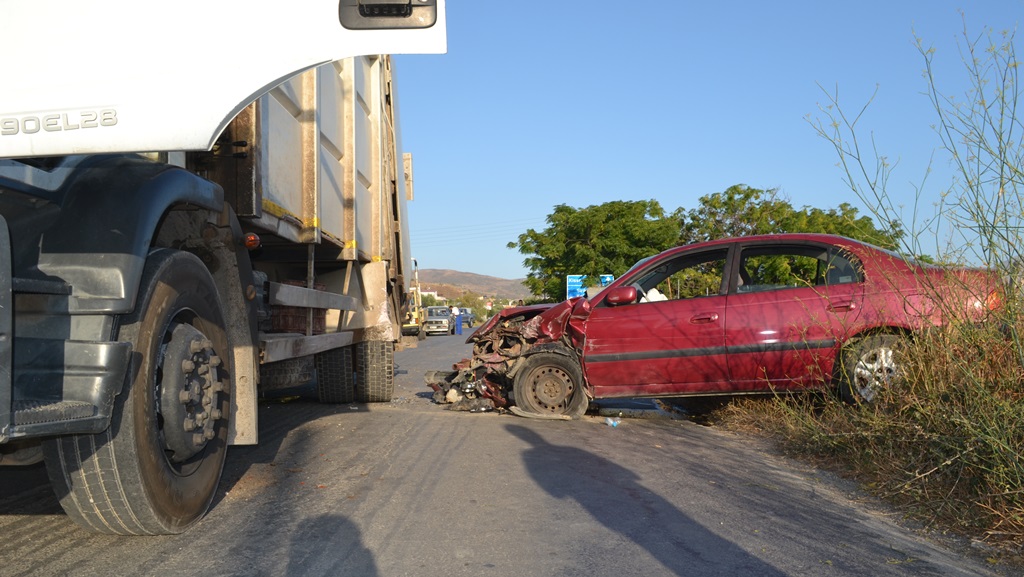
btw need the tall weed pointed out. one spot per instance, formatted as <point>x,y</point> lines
<point>944,442</point>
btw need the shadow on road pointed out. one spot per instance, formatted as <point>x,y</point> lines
<point>615,498</point>
<point>328,545</point>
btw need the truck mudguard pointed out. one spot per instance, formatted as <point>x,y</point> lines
<point>104,228</point>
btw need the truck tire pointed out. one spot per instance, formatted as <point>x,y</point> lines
<point>335,381</point>
<point>286,374</point>
<point>155,470</point>
<point>375,371</point>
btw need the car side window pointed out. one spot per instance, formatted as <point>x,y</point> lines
<point>769,268</point>
<point>685,277</point>
<point>841,269</point>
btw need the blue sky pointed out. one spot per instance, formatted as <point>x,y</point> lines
<point>546,102</point>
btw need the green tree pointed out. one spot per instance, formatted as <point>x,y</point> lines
<point>611,237</point>
<point>742,211</point>
<point>599,239</point>
<point>470,300</point>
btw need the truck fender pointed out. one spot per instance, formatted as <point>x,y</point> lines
<point>111,209</point>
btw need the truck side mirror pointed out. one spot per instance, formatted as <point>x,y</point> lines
<point>387,14</point>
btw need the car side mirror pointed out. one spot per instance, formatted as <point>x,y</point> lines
<point>621,295</point>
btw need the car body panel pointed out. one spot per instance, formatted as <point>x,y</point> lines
<point>770,339</point>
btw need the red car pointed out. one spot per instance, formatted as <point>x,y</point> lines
<point>733,316</point>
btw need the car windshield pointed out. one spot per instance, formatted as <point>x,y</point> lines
<point>438,311</point>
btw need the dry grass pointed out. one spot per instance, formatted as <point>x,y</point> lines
<point>943,445</point>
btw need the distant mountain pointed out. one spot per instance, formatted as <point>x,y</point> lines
<point>453,283</point>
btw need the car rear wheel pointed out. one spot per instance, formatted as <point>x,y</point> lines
<point>868,366</point>
<point>550,384</point>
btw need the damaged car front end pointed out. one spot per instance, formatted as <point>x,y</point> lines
<point>529,345</point>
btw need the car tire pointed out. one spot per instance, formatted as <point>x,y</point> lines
<point>156,468</point>
<point>869,365</point>
<point>335,376</point>
<point>550,384</point>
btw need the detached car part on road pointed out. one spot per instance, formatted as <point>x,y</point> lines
<point>774,313</point>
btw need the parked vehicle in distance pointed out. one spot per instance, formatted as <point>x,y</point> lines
<point>758,314</point>
<point>468,318</point>
<point>440,321</point>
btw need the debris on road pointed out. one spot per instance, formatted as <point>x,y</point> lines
<point>462,392</point>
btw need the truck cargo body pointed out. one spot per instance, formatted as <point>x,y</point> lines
<point>147,297</point>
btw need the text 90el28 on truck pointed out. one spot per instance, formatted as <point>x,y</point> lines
<point>144,297</point>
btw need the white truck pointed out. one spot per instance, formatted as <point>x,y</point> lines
<point>197,200</point>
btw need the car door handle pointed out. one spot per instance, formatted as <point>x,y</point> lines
<point>842,306</point>
<point>704,319</point>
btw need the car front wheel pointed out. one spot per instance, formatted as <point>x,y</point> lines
<point>550,384</point>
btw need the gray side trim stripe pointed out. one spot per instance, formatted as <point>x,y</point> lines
<point>711,351</point>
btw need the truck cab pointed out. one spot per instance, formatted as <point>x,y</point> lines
<point>173,228</point>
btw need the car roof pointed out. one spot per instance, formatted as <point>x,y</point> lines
<point>781,238</point>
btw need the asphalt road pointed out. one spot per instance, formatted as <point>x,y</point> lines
<point>409,488</point>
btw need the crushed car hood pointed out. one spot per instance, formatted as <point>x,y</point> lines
<point>541,323</point>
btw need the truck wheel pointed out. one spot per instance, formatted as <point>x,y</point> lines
<point>375,371</point>
<point>335,382</point>
<point>155,470</point>
<point>550,384</point>
<point>287,373</point>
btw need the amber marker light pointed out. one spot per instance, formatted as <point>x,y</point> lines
<point>251,241</point>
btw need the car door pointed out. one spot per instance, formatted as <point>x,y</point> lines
<point>790,307</point>
<point>658,347</point>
